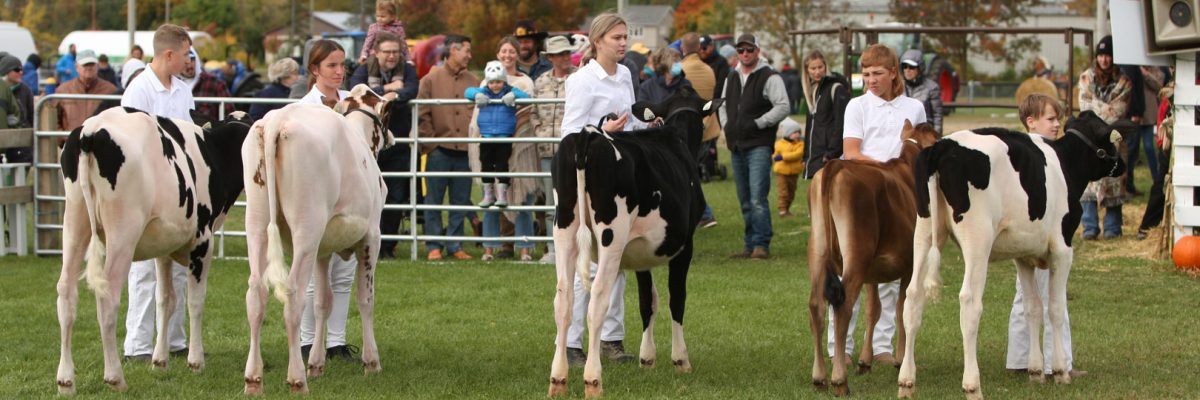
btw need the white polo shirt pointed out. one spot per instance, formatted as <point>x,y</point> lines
<point>314,96</point>
<point>592,93</point>
<point>880,123</point>
<point>148,94</point>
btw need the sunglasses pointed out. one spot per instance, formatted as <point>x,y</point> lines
<point>743,50</point>
<point>906,66</point>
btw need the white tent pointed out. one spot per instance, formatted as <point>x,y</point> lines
<point>115,44</point>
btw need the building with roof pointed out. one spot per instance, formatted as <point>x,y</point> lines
<point>649,25</point>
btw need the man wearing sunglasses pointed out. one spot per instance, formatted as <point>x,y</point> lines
<point>755,102</point>
<point>10,111</point>
<point>924,90</point>
<point>11,70</point>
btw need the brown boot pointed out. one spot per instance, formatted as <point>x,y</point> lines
<point>760,253</point>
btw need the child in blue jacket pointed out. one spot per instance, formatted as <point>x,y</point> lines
<point>495,121</point>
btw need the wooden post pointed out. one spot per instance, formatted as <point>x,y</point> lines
<point>49,182</point>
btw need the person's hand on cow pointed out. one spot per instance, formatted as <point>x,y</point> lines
<point>510,99</point>
<point>481,99</point>
<point>389,96</point>
<point>616,125</point>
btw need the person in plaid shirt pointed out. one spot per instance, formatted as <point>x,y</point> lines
<point>386,19</point>
<point>204,84</point>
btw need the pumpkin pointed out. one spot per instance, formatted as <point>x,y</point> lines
<point>1187,253</point>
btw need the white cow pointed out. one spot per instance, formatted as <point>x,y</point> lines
<point>1003,195</point>
<point>141,187</point>
<point>317,190</point>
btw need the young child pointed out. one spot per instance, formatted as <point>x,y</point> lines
<point>1041,115</point>
<point>789,163</point>
<point>386,19</point>
<point>497,120</point>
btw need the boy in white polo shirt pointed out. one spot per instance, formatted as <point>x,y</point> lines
<point>160,92</point>
<point>872,129</point>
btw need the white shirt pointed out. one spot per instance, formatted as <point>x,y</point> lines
<point>593,93</point>
<point>314,96</point>
<point>880,123</point>
<point>148,94</point>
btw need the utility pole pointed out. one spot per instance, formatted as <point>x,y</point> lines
<point>131,20</point>
<point>93,15</point>
<point>168,7</point>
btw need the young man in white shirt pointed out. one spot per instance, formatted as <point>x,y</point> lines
<point>871,131</point>
<point>160,92</point>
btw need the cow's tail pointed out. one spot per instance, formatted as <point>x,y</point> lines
<point>277,271</point>
<point>96,275</point>
<point>583,236</point>
<point>927,254</point>
<point>835,292</point>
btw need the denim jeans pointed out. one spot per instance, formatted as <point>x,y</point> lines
<point>440,160</point>
<point>1145,137</point>
<point>752,174</point>
<point>1091,220</point>
<point>708,213</point>
<point>523,226</point>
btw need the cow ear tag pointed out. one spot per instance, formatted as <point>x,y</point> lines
<point>207,126</point>
<point>648,114</point>
<point>1114,137</point>
<point>708,106</point>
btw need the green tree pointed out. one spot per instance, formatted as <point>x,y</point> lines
<point>774,19</point>
<point>965,13</point>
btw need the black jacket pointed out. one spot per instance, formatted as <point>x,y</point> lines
<point>656,90</point>
<point>400,118</point>
<point>273,91</point>
<point>823,126</point>
<point>720,67</point>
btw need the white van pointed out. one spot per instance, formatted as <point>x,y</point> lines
<point>16,40</point>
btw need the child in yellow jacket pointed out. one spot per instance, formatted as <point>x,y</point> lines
<point>789,164</point>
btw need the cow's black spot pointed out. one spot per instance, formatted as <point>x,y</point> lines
<point>220,148</point>
<point>204,219</point>
<point>169,126</point>
<point>606,237</point>
<point>562,174</point>
<point>197,260</point>
<point>1030,163</point>
<point>132,110</point>
<point>186,198</point>
<point>107,153</point>
<point>168,148</point>
<point>69,159</point>
<point>956,167</point>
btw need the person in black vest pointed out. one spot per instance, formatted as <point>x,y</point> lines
<point>755,102</point>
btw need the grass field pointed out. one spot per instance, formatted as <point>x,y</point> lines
<point>485,330</point>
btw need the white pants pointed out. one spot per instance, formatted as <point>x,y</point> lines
<point>341,278</point>
<point>613,327</point>
<point>1018,330</point>
<point>884,329</point>
<point>139,319</point>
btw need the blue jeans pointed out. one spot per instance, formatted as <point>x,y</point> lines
<point>523,226</point>
<point>752,174</point>
<point>1145,137</point>
<point>440,160</point>
<point>708,213</point>
<point>1091,220</point>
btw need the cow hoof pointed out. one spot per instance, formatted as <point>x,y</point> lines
<point>118,386</point>
<point>1037,377</point>
<point>253,386</point>
<point>298,386</point>
<point>840,389</point>
<point>647,363</point>
<point>820,385</point>
<point>863,368</point>
<point>592,389</point>
<point>371,368</point>
<point>159,365</point>
<point>973,393</point>
<point>315,370</point>
<point>682,366</point>
<point>906,392</point>
<point>558,387</point>
<point>1062,378</point>
<point>66,388</point>
<point>196,367</point>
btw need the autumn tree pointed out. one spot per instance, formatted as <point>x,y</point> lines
<point>774,19</point>
<point>971,13</point>
<point>487,22</point>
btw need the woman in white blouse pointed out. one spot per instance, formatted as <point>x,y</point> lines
<point>326,60</point>
<point>601,87</point>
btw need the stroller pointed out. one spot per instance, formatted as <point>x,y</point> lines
<point>710,166</point>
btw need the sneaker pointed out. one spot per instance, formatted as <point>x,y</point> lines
<point>760,253</point>
<point>885,359</point>
<point>615,351</point>
<point>708,222</point>
<point>304,350</point>
<point>576,357</point>
<point>1141,235</point>
<point>487,257</point>
<point>547,258</point>
<point>745,253</point>
<point>461,255</point>
<point>526,256</point>
<point>434,255</point>
<point>346,352</point>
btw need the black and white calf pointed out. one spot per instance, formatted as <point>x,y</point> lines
<point>1003,195</point>
<point>141,187</point>
<point>637,196</point>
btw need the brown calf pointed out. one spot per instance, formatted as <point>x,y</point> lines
<point>862,213</point>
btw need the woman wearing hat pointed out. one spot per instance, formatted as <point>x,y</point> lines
<point>1103,89</point>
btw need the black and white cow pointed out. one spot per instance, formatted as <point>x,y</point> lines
<point>141,187</point>
<point>1003,195</point>
<point>637,196</point>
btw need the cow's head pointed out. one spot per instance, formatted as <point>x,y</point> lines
<point>684,111</point>
<point>1102,158</point>
<point>369,111</point>
<point>917,138</point>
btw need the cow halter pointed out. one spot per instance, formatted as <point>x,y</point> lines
<point>374,120</point>
<point>1100,153</point>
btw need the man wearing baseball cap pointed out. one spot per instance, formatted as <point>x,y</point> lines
<point>755,102</point>
<point>72,113</point>
<point>720,65</point>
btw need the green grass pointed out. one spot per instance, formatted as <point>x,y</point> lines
<point>485,330</point>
